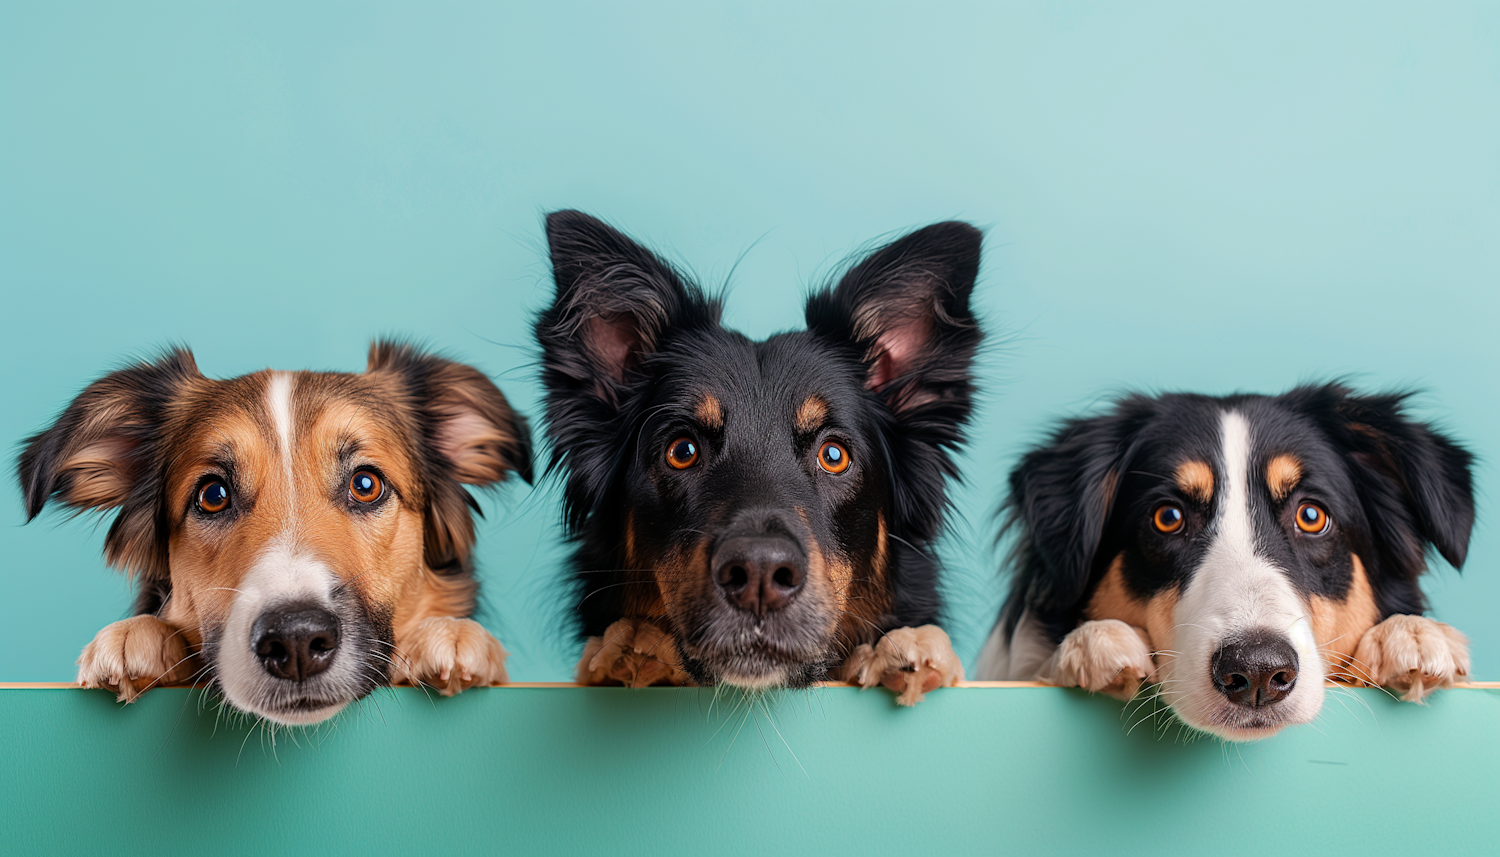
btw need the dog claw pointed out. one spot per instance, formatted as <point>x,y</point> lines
<point>451,655</point>
<point>1411,654</point>
<point>633,653</point>
<point>1102,656</point>
<point>913,662</point>
<point>132,655</point>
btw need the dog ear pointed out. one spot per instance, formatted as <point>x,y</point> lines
<point>906,306</point>
<point>105,451</point>
<point>467,433</point>
<point>1061,498</point>
<point>615,302</point>
<point>1415,483</point>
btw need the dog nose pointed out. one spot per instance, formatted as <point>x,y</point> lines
<point>296,643</point>
<point>760,574</point>
<point>1255,672</point>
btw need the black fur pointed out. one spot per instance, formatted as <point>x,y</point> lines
<point>1394,487</point>
<point>630,345</point>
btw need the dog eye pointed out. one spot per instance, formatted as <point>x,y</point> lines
<point>1168,518</point>
<point>213,497</point>
<point>682,453</point>
<point>833,458</point>
<point>365,487</point>
<point>1311,519</point>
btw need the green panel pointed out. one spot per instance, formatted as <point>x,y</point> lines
<point>832,771</point>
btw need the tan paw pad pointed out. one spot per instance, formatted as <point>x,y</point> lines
<point>910,661</point>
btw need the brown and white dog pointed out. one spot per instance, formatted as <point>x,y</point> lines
<point>1236,551</point>
<point>298,538</point>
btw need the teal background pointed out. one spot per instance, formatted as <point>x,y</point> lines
<point>1200,196</point>
<point>658,771</point>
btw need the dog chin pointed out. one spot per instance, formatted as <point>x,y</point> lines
<point>1233,725</point>
<point>298,716</point>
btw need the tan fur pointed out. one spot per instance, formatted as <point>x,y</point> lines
<point>1282,475</point>
<point>130,656</point>
<point>1103,656</point>
<point>811,414</point>
<point>709,413</point>
<point>632,652</point>
<point>1340,625</point>
<point>1112,600</point>
<point>913,662</point>
<point>450,654</point>
<point>1196,480</point>
<point>1412,654</point>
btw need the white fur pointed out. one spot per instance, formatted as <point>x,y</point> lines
<point>1019,658</point>
<point>279,403</point>
<point>1234,591</point>
<point>281,574</point>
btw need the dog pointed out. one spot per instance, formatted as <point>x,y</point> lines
<point>758,514</point>
<point>1237,551</point>
<point>298,538</point>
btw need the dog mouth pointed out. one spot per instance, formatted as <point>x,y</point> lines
<point>758,665</point>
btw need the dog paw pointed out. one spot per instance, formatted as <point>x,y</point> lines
<point>451,655</point>
<point>1412,654</point>
<point>1102,656</point>
<point>134,654</point>
<point>910,661</point>
<point>632,652</point>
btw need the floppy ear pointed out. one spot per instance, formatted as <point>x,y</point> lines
<point>104,452</point>
<point>615,301</point>
<point>907,308</point>
<point>1061,498</point>
<point>1415,483</point>
<point>466,433</point>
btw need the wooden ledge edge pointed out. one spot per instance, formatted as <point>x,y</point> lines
<point>68,685</point>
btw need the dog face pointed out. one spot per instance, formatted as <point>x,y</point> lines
<point>291,524</point>
<point>761,499</point>
<point>1255,539</point>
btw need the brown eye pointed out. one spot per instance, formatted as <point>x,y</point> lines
<point>833,458</point>
<point>213,497</point>
<point>1168,518</point>
<point>365,487</point>
<point>1311,519</point>
<point>682,453</point>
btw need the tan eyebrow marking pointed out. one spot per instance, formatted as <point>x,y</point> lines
<point>709,412</point>
<point>811,414</point>
<point>1283,474</point>
<point>1196,479</point>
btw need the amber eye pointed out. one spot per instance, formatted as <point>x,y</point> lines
<point>365,487</point>
<point>213,497</point>
<point>833,458</point>
<point>682,453</point>
<point>1168,518</point>
<point>1311,519</point>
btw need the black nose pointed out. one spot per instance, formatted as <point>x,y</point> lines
<point>760,574</point>
<point>1255,672</point>
<point>297,642</point>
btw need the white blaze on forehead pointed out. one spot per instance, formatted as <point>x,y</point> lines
<point>279,403</point>
<point>1236,590</point>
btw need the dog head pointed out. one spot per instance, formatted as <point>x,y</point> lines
<point>1254,538</point>
<point>754,495</point>
<point>290,523</point>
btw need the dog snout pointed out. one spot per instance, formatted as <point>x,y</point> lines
<point>759,574</point>
<point>1255,672</point>
<point>297,642</point>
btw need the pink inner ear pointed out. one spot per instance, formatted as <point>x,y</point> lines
<point>612,337</point>
<point>896,353</point>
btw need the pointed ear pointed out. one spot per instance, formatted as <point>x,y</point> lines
<point>1061,498</point>
<point>1416,484</point>
<point>615,301</point>
<point>467,433</point>
<point>105,452</point>
<point>907,307</point>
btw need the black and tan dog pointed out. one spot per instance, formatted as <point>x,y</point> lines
<point>299,538</point>
<point>1237,551</point>
<point>758,513</point>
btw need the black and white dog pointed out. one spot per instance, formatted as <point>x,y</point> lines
<point>1238,551</point>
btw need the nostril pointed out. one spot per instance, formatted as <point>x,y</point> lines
<point>1236,682</point>
<point>272,650</point>
<point>321,644</point>
<point>785,577</point>
<point>738,577</point>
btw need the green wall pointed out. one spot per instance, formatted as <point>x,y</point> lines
<point>1199,196</point>
<point>658,771</point>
